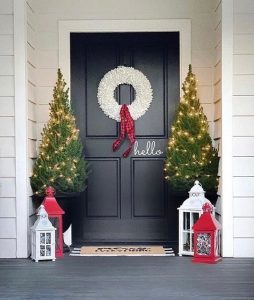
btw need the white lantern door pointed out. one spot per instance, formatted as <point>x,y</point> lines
<point>189,219</point>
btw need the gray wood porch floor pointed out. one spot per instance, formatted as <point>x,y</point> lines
<point>126,278</point>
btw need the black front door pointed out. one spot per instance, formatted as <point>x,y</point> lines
<point>126,198</point>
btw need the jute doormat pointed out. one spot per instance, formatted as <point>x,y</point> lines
<point>122,251</point>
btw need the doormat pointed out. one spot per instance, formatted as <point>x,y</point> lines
<point>122,251</point>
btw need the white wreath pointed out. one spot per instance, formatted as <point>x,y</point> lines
<point>124,75</point>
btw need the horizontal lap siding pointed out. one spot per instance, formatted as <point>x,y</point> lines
<point>217,91</point>
<point>31,95</point>
<point>7,134</point>
<point>243,122</point>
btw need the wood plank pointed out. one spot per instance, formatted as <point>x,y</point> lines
<point>217,110</point>
<point>243,6</point>
<point>9,249</point>
<point>31,74</point>
<point>243,23</point>
<point>243,64</point>
<point>243,227</point>
<point>47,41</point>
<point>6,106</point>
<point>6,42</point>
<point>32,111</point>
<point>31,130</point>
<point>204,75</point>
<point>243,105</point>
<point>6,85</point>
<point>7,207</point>
<point>243,207</point>
<point>31,92</point>
<point>44,95</point>
<point>217,72</point>
<point>48,59</point>
<point>6,126</point>
<point>42,113</point>
<point>7,167</point>
<point>202,58</point>
<point>6,65</point>
<point>46,77</point>
<point>218,34</point>
<point>243,126</point>
<point>6,7</point>
<point>7,228</point>
<point>243,186</point>
<point>217,129</point>
<point>205,94</point>
<point>243,146</point>
<point>243,85</point>
<point>217,53</point>
<point>243,247</point>
<point>6,24</point>
<point>31,37</point>
<point>31,55</point>
<point>32,153</point>
<point>243,166</point>
<point>7,147</point>
<point>217,91</point>
<point>244,44</point>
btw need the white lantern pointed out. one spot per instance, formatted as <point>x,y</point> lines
<point>189,213</point>
<point>43,237</point>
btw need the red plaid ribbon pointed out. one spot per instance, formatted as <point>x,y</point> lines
<point>127,127</point>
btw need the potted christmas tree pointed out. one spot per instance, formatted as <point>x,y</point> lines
<point>190,154</point>
<point>60,162</point>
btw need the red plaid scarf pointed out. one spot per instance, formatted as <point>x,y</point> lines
<point>126,127</point>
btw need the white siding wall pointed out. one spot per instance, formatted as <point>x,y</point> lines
<point>217,90</point>
<point>31,96</point>
<point>7,136</point>
<point>243,124</point>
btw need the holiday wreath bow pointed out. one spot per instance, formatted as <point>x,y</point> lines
<point>126,114</point>
<point>127,127</point>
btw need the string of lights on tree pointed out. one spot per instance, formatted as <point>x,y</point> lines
<point>190,154</point>
<point>60,162</point>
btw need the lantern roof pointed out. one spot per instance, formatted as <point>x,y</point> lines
<point>197,188</point>
<point>50,203</point>
<point>42,222</point>
<point>207,221</point>
<point>196,198</point>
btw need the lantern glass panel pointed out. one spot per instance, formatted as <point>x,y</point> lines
<point>186,241</point>
<point>42,238</point>
<point>195,217</point>
<point>204,243</point>
<point>42,250</point>
<point>217,243</point>
<point>48,250</point>
<point>48,238</point>
<point>186,221</point>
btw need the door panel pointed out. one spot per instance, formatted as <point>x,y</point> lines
<point>126,199</point>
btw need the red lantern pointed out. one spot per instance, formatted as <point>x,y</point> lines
<point>55,214</point>
<point>207,232</point>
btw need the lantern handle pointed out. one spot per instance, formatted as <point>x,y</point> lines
<point>50,191</point>
<point>207,208</point>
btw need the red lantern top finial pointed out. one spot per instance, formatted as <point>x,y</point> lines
<point>50,191</point>
<point>207,208</point>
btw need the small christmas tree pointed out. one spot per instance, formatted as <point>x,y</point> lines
<point>60,163</point>
<point>190,154</point>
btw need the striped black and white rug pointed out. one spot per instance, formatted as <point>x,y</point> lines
<point>122,251</point>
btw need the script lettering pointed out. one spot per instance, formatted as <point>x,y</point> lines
<point>149,150</point>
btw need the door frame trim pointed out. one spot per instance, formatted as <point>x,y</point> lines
<point>183,26</point>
